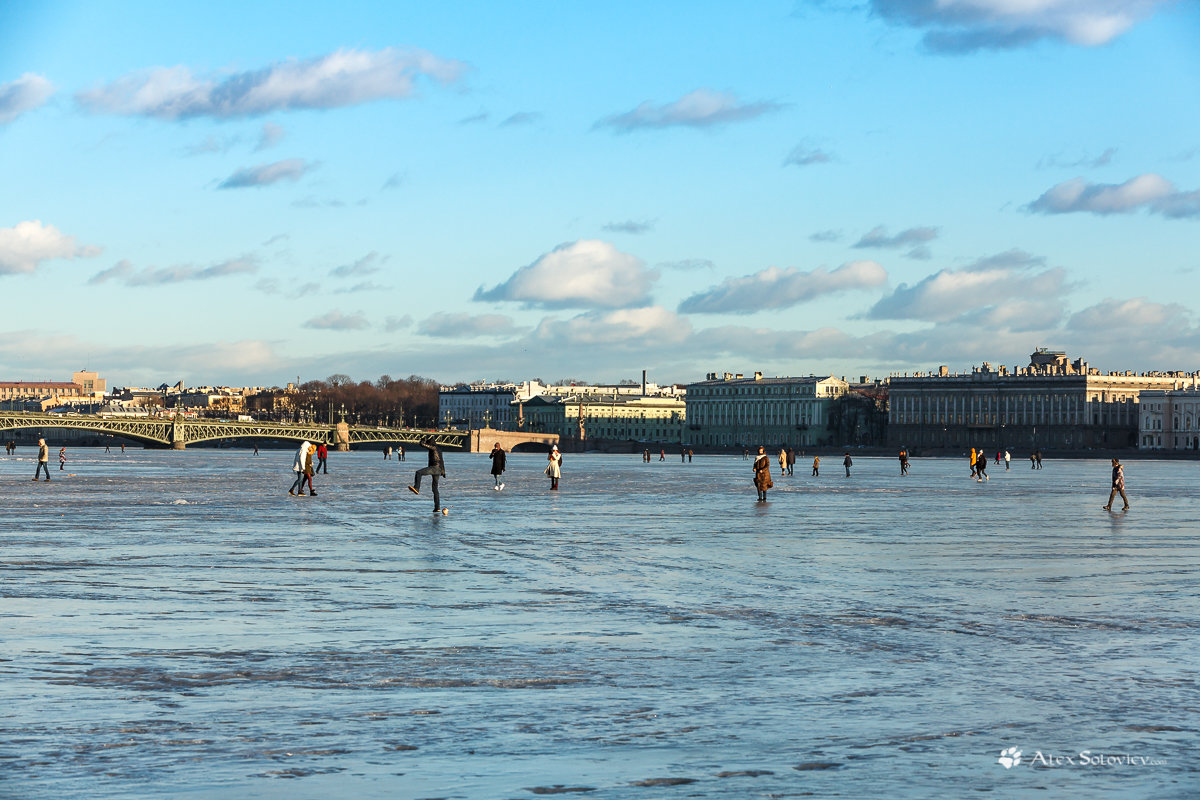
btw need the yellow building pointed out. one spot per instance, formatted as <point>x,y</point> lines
<point>656,419</point>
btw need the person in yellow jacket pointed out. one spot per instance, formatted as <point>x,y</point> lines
<point>973,459</point>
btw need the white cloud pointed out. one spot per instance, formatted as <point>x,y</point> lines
<point>701,108</point>
<point>877,236</point>
<point>631,226</point>
<point>957,26</point>
<point>462,326</point>
<point>124,272</point>
<point>1149,191</point>
<point>1136,315</point>
<point>987,283</point>
<point>337,321</point>
<point>26,245</point>
<point>271,135</point>
<point>367,265</point>
<point>342,78</point>
<point>588,273</point>
<point>24,94</point>
<point>625,327</point>
<point>802,156</point>
<point>291,169</point>
<point>782,288</point>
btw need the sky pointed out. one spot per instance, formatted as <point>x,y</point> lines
<point>249,193</point>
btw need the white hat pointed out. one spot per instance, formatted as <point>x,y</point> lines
<point>554,447</point>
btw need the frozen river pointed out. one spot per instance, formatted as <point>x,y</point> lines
<point>176,626</point>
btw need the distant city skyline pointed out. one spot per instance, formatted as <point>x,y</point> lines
<point>237,194</point>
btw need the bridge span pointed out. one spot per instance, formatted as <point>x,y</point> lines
<point>482,440</point>
<point>178,433</point>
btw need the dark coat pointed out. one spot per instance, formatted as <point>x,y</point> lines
<point>762,473</point>
<point>498,458</point>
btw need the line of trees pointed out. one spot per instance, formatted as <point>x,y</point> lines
<point>388,401</point>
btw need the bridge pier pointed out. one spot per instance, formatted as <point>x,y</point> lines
<point>341,438</point>
<point>178,445</point>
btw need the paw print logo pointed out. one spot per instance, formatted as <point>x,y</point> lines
<point>1010,757</point>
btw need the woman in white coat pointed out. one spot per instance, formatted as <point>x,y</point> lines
<point>298,468</point>
<point>554,467</point>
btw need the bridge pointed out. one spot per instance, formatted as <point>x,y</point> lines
<point>482,440</point>
<point>178,433</point>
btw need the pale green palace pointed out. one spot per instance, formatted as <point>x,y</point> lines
<point>658,419</point>
<point>733,410</point>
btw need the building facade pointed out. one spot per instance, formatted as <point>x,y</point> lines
<point>84,386</point>
<point>735,411</point>
<point>501,405</point>
<point>1052,403</point>
<point>1170,420</point>
<point>658,419</point>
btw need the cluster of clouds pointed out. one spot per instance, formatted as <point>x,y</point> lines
<point>26,245</point>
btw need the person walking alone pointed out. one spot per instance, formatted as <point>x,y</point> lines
<point>498,458</point>
<point>435,470</point>
<point>782,461</point>
<point>43,462</point>
<point>1007,460</point>
<point>554,467</point>
<point>816,466</point>
<point>847,462</point>
<point>981,468</point>
<point>298,468</point>
<point>322,454</point>
<point>306,474</point>
<point>62,458</point>
<point>762,474</point>
<point>1118,485</point>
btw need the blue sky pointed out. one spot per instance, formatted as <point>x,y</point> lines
<point>247,193</point>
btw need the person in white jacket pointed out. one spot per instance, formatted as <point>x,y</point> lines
<point>298,467</point>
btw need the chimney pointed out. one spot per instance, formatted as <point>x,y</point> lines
<point>643,383</point>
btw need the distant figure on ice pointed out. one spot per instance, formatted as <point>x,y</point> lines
<point>554,467</point>
<point>1118,486</point>
<point>498,458</point>
<point>1033,460</point>
<point>399,452</point>
<point>662,454</point>
<point>782,461</point>
<point>387,453</point>
<point>43,462</point>
<point>981,468</point>
<point>762,474</point>
<point>298,468</point>
<point>791,461</point>
<point>974,461</point>
<point>816,466</point>
<point>62,458</point>
<point>322,455</point>
<point>1007,460</point>
<point>903,462</point>
<point>1037,457</point>
<point>847,462</point>
<point>435,470</point>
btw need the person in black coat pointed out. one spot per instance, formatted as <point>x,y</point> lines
<point>498,458</point>
<point>435,470</point>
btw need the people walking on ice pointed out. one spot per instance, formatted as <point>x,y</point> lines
<point>307,473</point>
<point>498,458</point>
<point>762,474</point>
<point>816,466</point>
<point>62,458</point>
<point>662,454</point>
<point>43,462</point>
<point>782,462</point>
<point>981,468</point>
<point>1033,460</point>
<point>435,470</point>
<point>322,455</point>
<point>903,461</point>
<point>974,464</point>
<point>298,468</point>
<point>791,461</point>
<point>847,462</point>
<point>554,467</point>
<point>1118,486</point>
<point>399,452</point>
<point>1007,460</point>
<point>387,453</point>
<point>1037,459</point>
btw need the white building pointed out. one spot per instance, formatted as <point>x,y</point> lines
<point>732,410</point>
<point>1170,419</point>
<point>498,405</point>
